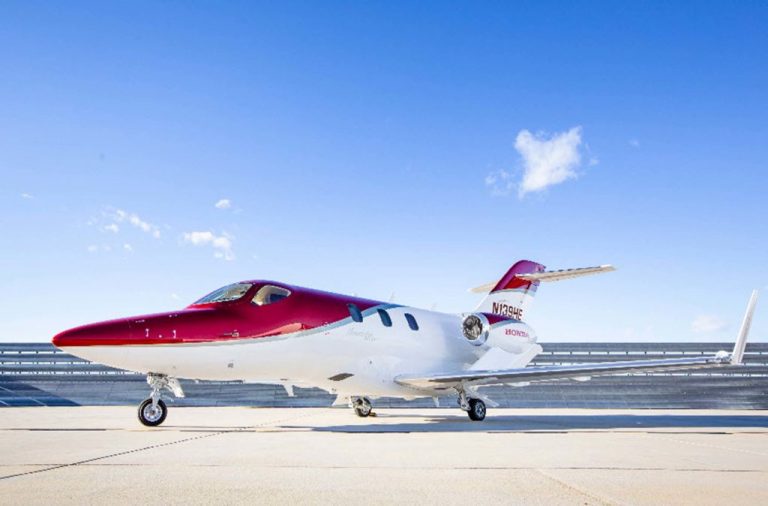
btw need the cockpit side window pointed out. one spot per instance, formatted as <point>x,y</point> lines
<point>226,294</point>
<point>269,294</point>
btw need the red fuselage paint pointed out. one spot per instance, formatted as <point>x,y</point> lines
<point>304,309</point>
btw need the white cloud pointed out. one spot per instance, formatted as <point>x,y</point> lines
<point>112,227</point>
<point>27,196</point>
<point>634,143</point>
<point>92,248</point>
<point>222,244</point>
<point>175,296</point>
<point>500,182</point>
<point>121,216</point>
<point>127,247</point>
<point>704,324</point>
<point>223,204</point>
<point>548,160</point>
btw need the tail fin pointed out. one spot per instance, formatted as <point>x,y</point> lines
<point>513,293</point>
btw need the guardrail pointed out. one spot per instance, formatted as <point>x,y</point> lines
<point>34,374</point>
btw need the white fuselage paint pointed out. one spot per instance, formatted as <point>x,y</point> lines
<point>374,355</point>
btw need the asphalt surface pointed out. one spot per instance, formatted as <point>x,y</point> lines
<point>99,455</point>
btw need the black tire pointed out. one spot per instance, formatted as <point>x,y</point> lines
<point>476,410</point>
<point>150,419</point>
<point>363,408</point>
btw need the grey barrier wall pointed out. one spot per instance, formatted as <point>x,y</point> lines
<point>38,374</point>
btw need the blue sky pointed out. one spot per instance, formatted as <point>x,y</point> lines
<point>380,148</point>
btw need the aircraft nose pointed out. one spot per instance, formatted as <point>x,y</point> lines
<point>72,337</point>
<point>94,334</point>
<point>60,339</point>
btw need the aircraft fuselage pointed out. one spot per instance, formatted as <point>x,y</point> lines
<point>310,338</point>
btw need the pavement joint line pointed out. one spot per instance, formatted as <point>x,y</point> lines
<point>145,448</point>
<point>574,488</point>
<point>422,468</point>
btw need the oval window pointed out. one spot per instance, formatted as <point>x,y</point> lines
<point>411,321</point>
<point>355,313</point>
<point>385,319</point>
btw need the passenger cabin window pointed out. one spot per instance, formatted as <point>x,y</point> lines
<point>385,319</point>
<point>355,313</point>
<point>226,294</point>
<point>269,294</point>
<point>411,321</point>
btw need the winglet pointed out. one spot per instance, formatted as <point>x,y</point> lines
<point>741,342</point>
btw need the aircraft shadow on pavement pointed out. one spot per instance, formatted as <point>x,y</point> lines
<point>15,393</point>
<point>553,423</point>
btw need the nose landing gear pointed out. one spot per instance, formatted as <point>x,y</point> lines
<point>152,411</point>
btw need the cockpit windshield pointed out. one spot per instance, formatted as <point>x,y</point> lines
<point>226,294</point>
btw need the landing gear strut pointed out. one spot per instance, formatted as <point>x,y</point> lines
<point>475,408</point>
<point>362,406</point>
<point>152,411</point>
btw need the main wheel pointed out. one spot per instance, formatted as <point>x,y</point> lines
<point>476,410</point>
<point>363,407</point>
<point>152,416</point>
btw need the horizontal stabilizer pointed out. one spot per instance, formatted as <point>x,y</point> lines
<point>550,276</point>
<point>566,273</point>
<point>483,288</point>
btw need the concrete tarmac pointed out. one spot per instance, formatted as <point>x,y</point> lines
<point>102,455</point>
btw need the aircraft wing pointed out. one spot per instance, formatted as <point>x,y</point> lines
<point>469,378</point>
<point>548,373</point>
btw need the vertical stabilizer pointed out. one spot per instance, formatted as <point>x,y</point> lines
<point>512,295</point>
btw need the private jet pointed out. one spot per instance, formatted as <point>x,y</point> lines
<point>358,349</point>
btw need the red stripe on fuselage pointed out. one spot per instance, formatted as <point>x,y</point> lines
<point>304,309</point>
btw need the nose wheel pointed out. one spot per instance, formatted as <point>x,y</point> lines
<point>152,411</point>
<point>152,414</point>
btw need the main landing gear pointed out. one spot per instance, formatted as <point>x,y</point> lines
<point>152,411</point>
<point>475,408</point>
<point>362,406</point>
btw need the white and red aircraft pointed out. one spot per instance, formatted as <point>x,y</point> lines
<point>358,349</point>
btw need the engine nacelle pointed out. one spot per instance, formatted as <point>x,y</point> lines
<point>475,328</point>
<point>511,336</point>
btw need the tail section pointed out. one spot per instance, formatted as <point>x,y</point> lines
<point>512,295</point>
